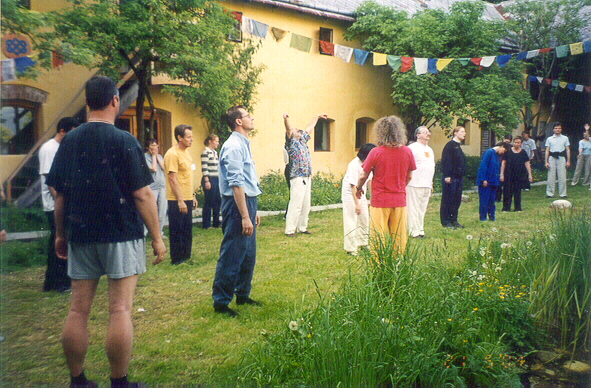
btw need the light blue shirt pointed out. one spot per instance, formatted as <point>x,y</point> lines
<point>585,145</point>
<point>237,167</point>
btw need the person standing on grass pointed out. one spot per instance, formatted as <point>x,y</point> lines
<point>300,188</point>
<point>529,145</point>
<point>392,164</point>
<point>489,179</point>
<point>179,168</point>
<point>516,174</point>
<point>355,210</point>
<point>453,168</point>
<point>239,187</point>
<point>56,275</point>
<point>209,182</point>
<point>557,161</point>
<point>420,187</point>
<point>155,163</point>
<point>583,159</point>
<point>103,193</point>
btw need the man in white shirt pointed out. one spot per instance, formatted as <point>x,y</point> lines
<point>420,187</point>
<point>557,161</point>
<point>56,276</point>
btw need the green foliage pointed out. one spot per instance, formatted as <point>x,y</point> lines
<point>23,220</point>
<point>457,91</point>
<point>18,255</point>
<point>185,40</point>
<point>472,164</point>
<point>326,190</point>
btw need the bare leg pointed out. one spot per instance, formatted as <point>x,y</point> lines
<point>119,342</point>
<point>75,332</point>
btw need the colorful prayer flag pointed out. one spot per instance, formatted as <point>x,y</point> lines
<point>548,81</point>
<point>8,70</point>
<point>360,56</point>
<point>487,61</point>
<point>326,48</point>
<point>379,59</point>
<point>532,78</point>
<point>562,51</point>
<point>555,83</point>
<point>278,33</point>
<point>442,63</point>
<point>395,62</point>
<point>540,79</point>
<point>464,61</point>
<point>576,48</point>
<point>343,52</point>
<point>299,42</point>
<point>545,50</point>
<point>563,84</point>
<point>421,65</point>
<point>476,61</point>
<point>57,60</point>
<point>406,64</point>
<point>502,60</point>
<point>587,46</point>
<point>532,54</point>
<point>23,63</point>
<point>521,56</point>
<point>570,86</point>
<point>432,65</point>
<point>259,29</point>
<point>579,88</point>
<point>588,89</point>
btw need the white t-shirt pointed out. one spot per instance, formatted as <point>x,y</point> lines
<point>529,145</point>
<point>46,155</point>
<point>352,178</point>
<point>557,143</point>
<point>425,161</point>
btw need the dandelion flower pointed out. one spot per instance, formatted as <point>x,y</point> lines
<point>482,253</point>
<point>504,245</point>
<point>529,243</point>
<point>475,309</point>
<point>503,261</point>
<point>469,237</point>
<point>293,326</point>
<point>498,269</point>
<point>494,230</point>
<point>484,265</point>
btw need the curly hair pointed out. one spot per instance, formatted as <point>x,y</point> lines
<point>391,131</point>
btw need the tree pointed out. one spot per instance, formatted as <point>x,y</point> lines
<point>458,91</point>
<point>184,39</point>
<point>541,24</point>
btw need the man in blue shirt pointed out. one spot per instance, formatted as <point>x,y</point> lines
<point>239,187</point>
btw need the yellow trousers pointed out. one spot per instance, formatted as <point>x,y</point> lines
<point>393,221</point>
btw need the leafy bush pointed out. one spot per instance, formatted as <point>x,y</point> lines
<point>472,164</point>
<point>23,220</point>
<point>15,255</point>
<point>326,190</point>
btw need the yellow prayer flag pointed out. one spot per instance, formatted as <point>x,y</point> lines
<point>379,59</point>
<point>563,84</point>
<point>442,63</point>
<point>576,48</point>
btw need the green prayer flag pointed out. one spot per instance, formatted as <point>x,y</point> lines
<point>300,42</point>
<point>464,61</point>
<point>562,51</point>
<point>395,62</point>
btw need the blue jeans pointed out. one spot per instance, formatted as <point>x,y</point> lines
<point>487,202</point>
<point>235,268</point>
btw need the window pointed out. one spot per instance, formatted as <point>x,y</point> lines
<point>18,120</point>
<point>128,122</point>
<point>362,127</point>
<point>325,36</point>
<point>322,135</point>
<point>235,34</point>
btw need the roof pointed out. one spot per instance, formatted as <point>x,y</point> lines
<point>345,9</point>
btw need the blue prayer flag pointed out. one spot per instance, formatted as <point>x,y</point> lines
<point>432,65</point>
<point>360,56</point>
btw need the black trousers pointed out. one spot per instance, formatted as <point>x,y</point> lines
<point>213,201</point>
<point>56,275</point>
<point>512,191</point>
<point>180,229</point>
<point>451,199</point>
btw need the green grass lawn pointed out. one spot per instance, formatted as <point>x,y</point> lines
<point>179,340</point>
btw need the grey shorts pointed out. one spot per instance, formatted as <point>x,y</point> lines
<point>116,260</point>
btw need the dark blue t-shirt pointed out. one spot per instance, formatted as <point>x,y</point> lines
<point>97,168</point>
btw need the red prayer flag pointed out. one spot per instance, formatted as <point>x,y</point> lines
<point>237,16</point>
<point>548,81</point>
<point>406,63</point>
<point>57,60</point>
<point>326,48</point>
<point>476,61</point>
<point>545,50</point>
<point>588,89</point>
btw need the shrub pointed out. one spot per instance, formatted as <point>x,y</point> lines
<point>16,255</point>
<point>23,220</point>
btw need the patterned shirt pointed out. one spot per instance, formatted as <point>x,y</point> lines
<point>209,162</point>
<point>299,155</point>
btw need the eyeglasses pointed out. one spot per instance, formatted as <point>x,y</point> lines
<point>247,115</point>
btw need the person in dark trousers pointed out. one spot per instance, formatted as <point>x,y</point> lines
<point>488,179</point>
<point>453,166</point>
<point>56,275</point>
<point>516,175</point>
<point>210,183</point>
<point>103,194</point>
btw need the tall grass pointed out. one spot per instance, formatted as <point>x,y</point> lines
<point>561,287</point>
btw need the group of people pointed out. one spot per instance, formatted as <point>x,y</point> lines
<point>106,191</point>
<point>133,189</point>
